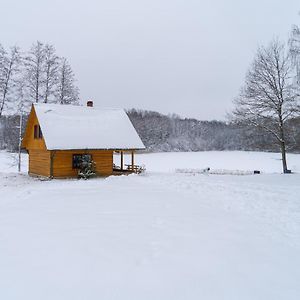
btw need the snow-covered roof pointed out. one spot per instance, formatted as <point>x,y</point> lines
<point>67,127</point>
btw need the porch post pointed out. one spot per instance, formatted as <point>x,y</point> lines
<point>52,154</point>
<point>121,160</point>
<point>132,160</point>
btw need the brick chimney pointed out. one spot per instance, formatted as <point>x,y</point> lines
<point>90,103</point>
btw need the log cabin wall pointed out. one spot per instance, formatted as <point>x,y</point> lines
<point>39,162</point>
<point>62,162</point>
<point>29,142</point>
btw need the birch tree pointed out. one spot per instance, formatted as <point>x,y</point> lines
<point>51,73</point>
<point>21,110</point>
<point>67,91</point>
<point>2,56</point>
<point>9,66</point>
<point>294,44</point>
<point>2,73</point>
<point>34,64</point>
<point>268,99</point>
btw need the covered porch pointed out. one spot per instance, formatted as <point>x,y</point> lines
<point>124,163</point>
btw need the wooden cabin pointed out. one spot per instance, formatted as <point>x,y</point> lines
<point>58,137</point>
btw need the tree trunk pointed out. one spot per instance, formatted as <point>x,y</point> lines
<point>283,155</point>
<point>20,141</point>
<point>4,97</point>
<point>282,143</point>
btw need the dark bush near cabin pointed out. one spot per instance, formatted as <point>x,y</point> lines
<point>87,168</point>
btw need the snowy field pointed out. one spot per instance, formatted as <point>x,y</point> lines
<point>162,235</point>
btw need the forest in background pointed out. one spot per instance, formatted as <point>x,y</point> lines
<point>164,133</point>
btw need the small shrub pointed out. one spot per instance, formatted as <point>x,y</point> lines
<point>87,169</point>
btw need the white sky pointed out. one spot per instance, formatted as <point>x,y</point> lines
<point>187,57</point>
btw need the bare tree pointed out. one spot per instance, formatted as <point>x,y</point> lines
<point>268,99</point>
<point>2,58</point>
<point>34,64</point>
<point>67,91</point>
<point>2,70</point>
<point>294,44</point>
<point>22,103</point>
<point>8,67</point>
<point>51,72</point>
<point>21,110</point>
<point>38,76</point>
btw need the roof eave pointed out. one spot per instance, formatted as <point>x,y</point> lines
<point>100,149</point>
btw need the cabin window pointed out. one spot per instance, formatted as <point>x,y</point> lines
<point>78,159</point>
<point>37,132</point>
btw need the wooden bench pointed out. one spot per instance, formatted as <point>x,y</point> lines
<point>135,168</point>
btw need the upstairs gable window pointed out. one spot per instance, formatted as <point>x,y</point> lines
<point>37,132</point>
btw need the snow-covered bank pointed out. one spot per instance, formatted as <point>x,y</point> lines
<point>160,235</point>
<point>267,162</point>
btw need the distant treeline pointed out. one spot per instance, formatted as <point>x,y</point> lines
<point>162,133</point>
<point>171,133</point>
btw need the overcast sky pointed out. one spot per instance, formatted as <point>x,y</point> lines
<point>187,57</point>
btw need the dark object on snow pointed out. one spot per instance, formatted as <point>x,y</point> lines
<point>256,172</point>
<point>90,103</point>
<point>288,172</point>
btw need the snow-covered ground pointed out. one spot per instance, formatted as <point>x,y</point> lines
<point>228,160</point>
<point>161,235</point>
